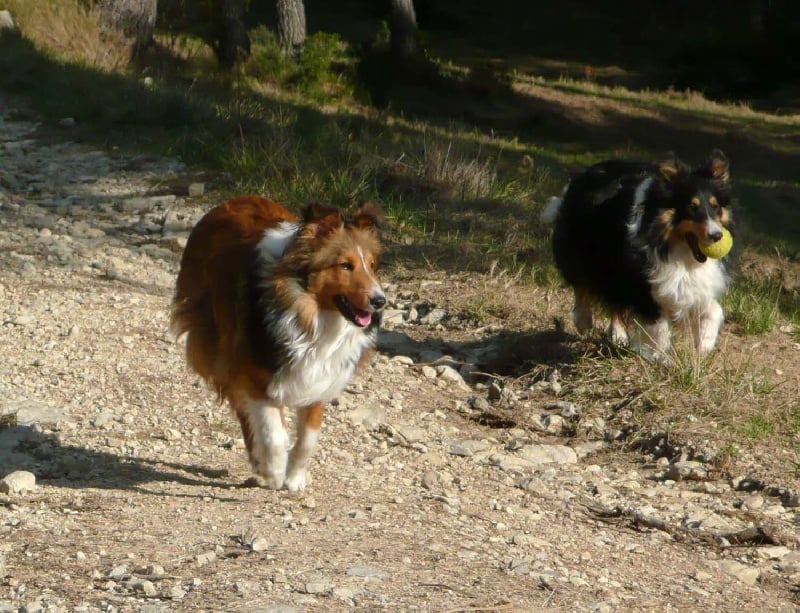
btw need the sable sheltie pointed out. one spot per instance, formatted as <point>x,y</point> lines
<point>628,235</point>
<point>279,311</point>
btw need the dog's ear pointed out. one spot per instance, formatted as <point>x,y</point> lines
<point>718,167</point>
<point>671,167</point>
<point>320,220</point>
<point>368,215</point>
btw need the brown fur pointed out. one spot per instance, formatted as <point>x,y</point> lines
<point>212,303</point>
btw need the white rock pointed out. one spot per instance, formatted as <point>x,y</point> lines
<point>18,482</point>
<point>744,573</point>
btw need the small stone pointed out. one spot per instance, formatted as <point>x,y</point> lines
<point>753,502</point>
<point>554,424</point>
<point>429,372</point>
<point>365,571</point>
<point>544,454</point>
<point>744,573</point>
<point>317,587</point>
<point>259,544</point>
<point>197,189</point>
<point>687,471</point>
<point>146,587</point>
<point>18,482</point>
<point>205,558</point>
<point>175,593</point>
<point>118,572</point>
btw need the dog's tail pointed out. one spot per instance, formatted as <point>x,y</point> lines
<point>550,212</point>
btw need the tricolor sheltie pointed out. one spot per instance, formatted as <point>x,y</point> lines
<point>628,235</point>
<point>279,311</point>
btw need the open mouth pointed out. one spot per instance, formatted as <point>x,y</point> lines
<point>694,245</point>
<point>351,313</point>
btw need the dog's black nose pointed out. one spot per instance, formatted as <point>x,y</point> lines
<point>715,236</point>
<point>378,302</point>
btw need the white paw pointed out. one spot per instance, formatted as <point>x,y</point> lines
<point>617,333</point>
<point>296,480</point>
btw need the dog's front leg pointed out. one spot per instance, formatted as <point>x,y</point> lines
<point>264,430</point>
<point>309,422</point>
<point>707,326</point>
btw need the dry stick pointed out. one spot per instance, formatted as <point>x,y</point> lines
<point>500,607</point>
<point>755,535</point>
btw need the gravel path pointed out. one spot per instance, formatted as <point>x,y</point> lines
<point>142,502</point>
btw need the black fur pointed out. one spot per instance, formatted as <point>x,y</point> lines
<point>596,250</point>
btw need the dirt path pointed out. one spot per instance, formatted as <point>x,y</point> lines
<point>416,502</point>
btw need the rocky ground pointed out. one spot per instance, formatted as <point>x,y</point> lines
<point>427,493</point>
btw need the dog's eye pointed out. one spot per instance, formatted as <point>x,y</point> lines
<point>695,203</point>
<point>713,202</point>
<point>346,265</point>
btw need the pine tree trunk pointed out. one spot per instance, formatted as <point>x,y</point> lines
<point>134,20</point>
<point>403,28</point>
<point>232,39</point>
<point>291,25</point>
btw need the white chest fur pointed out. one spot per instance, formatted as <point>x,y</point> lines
<point>319,365</point>
<point>682,285</point>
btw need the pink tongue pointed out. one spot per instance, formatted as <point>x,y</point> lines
<point>363,318</point>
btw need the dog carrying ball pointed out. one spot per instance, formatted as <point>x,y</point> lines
<point>719,249</point>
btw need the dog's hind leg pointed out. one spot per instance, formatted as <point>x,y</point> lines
<point>309,422</point>
<point>582,311</point>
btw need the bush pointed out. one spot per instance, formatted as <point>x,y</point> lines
<point>316,74</point>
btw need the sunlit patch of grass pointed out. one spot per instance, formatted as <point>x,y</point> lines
<point>69,30</point>
<point>753,306</point>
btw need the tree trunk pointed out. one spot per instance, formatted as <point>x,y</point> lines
<point>135,20</point>
<point>232,39</point>
<point>403,28</point>
<point>291,25</point>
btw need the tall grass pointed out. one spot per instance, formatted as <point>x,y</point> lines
<point>68,31</point>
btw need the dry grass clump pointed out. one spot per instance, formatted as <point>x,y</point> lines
<point>69,30</point>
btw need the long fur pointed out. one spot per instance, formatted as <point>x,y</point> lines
<point>279,311</point>
<point>627,235</point>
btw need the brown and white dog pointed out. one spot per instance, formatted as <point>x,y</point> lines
<point>279,311</point>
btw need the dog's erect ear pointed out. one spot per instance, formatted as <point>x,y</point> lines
<point>670,167</point>
<point>718,167</point>
<point>368,215</point>
<point>321,220</point>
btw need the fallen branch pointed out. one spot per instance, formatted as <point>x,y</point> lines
<point>752,536</point>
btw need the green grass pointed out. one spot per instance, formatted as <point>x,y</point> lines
<point>755,306</point>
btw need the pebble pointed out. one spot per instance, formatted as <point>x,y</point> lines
<point>365,571</point>
<point>545,454</point>
<point>687,471</point>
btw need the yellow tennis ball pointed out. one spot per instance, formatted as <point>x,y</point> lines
<point>719,249</point>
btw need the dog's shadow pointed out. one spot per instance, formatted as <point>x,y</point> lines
<point>69,466</point>
<point>506,353</point>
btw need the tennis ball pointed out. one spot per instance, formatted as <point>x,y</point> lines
<point>719,249</point>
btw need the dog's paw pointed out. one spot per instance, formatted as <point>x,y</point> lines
<point>296,480</point>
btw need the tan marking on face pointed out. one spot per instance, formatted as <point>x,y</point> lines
<point>713,201</point>
<point>695,201</point>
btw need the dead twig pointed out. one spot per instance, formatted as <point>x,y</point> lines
<point>752,536</point>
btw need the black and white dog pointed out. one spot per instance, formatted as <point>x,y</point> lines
<point>629,234</point>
